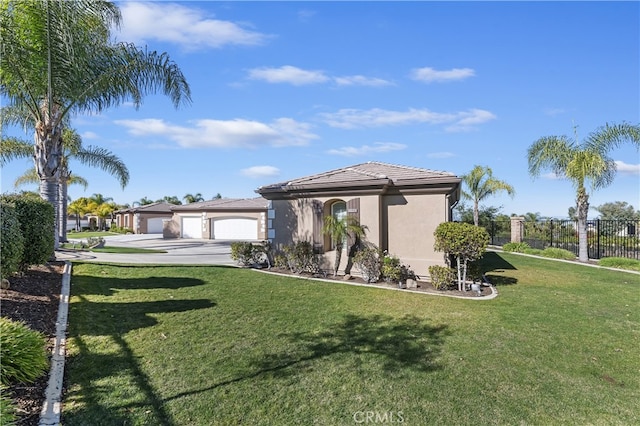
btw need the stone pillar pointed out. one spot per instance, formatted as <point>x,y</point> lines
<point>516,229</point>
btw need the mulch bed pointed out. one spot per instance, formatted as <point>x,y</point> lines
<point>33,298</point>
<point>423,287</point>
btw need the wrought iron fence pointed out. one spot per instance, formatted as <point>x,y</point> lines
<point>605,238</point>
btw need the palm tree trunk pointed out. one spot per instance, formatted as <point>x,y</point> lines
<point>476,218</point>
<point>582,205</point>
<point>62,207</point>
<point>47,155</point>
<point>338,257</point>
<point>49,192</point>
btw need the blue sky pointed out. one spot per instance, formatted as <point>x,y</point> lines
<point>287,89</point>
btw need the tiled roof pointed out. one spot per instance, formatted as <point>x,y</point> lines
<point>160,207</point>
<point>257,203</point>
<point>368,174</point>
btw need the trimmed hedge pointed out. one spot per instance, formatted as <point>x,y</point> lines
<point>37,224</point>
<point>11,240</point>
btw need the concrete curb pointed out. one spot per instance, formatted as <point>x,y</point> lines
<point>52,407</point>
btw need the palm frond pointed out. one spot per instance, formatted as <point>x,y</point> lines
<point>105,160</point>
<point>611,136</point>
<point>551,153</point>
<point>13,148</point>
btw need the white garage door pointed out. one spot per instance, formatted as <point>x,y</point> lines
<point>154,225</point>
<point>191,227</point>
<point>234,229</point>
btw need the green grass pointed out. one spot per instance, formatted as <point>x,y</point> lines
<point>215,345</point>
<point>88,234</point>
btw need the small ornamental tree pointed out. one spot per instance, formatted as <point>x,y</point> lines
<point>464,241</point>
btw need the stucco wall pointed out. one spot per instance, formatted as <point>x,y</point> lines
<point>411,221</point>
<point>402,224</point>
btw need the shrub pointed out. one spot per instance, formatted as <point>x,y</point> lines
<point>516,247</point>
<point>7,409</point>
<point>244,253</point>
<point>620,263</point>
<point>558,253</point>
<point>301,258</point>
<point>280,261</point>
<point>368,260</point>
<point>442,277</point>
<point>23,353</point>
<point>37,224</point>
<point>120,230</point>
<point>464,241</point>
<point>395,271</point>
<point>11,240</point>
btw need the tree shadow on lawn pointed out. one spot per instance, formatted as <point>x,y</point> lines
<point>106,285</point>
<point>493,262</point>
<point>402,344</point>
<point>90,368</point>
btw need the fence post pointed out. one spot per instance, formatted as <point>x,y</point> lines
<point>597,256</point>
<point>516,229</point>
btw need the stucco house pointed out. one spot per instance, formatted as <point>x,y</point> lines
<point>147,219</point>
<point>220,219</point>
<point>401,207</point>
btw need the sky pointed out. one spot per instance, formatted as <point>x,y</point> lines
<point>282,90</point>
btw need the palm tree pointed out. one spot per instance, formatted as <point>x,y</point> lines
<point>582,163</point>
<point>71,148</point>
<point>58,59</point>
<point>339,230</point>
<point>190,198</point>
<point>481,184</point>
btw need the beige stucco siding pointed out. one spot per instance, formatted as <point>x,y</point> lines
<point>411,221</point>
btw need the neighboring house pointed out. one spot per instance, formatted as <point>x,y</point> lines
<point>220,219</point>
<point>147,219</point>
<point>400,206</point>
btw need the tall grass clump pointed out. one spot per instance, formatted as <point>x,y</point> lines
<point>22,351</point>
<point>516,247</point>
<point>7,409</point>
<point>620,263</point>
<point>558,253</point>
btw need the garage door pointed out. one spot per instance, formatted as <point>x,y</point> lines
<point>234,229</point>
<point>191,227</point>
<point>154,225</point>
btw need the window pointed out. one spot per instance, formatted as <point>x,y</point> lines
<point>339,212</point>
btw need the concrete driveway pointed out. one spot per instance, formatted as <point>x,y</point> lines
<point>178,251</point>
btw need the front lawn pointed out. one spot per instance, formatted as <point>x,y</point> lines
<point>167,345</point>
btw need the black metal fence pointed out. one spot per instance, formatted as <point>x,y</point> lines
<point>605,238</point>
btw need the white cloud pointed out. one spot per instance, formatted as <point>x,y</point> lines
<point>354,118</point>
<point>628,169</point>
<point>188,27</point>
<point>288,74</point>
<point>236,133</point>
<point>430,75</point>
<point>352,151</point>
<point>260,171</point>
<point>89,135</point>
<point>360,80</point>
<point>553,176</point>
<point>441,155</point>
<point>554,111</point>
<point>467,120</point>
